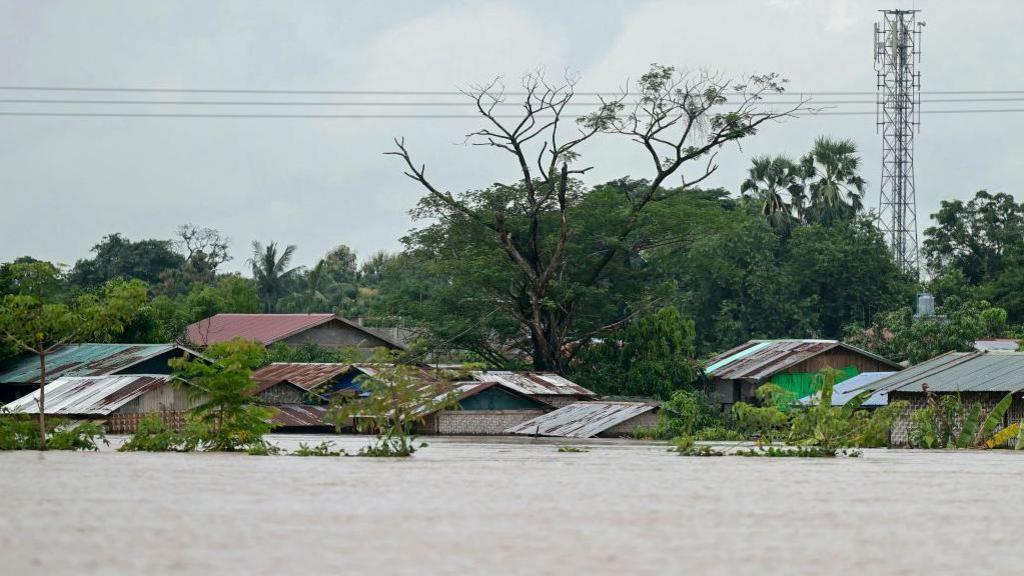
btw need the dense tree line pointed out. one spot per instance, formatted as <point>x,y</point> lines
<point>624,285</point>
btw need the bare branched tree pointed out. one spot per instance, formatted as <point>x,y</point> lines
<point>679,119</point>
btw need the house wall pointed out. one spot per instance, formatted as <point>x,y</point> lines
<point>647,419</point>
<point>899,435</point>
<point>282,393</point>
<point>481,422</point>
<point>560,400</point>
<point>336,335</point>
<point>840,358</point>
<point>155,365</point>
<point>166,398</point>
<point>128,423</point>
<point>496,399</point>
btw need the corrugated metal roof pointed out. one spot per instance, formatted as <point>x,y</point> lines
<point>97,395</point>
<point>265,328</point>
<point>305,375</point>
<point>581,419</point>
<point>761,359</point>
<point>82,360</point>
<point>299,415</point>
<point>534,383</point>
<point>847,389</point>
<point>979,371</point>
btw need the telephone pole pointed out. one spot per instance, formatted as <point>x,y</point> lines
<point>897,53</point>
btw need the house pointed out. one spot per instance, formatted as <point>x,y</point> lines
<point>846,390</point>
<point>295,382</point>
<point>546,387</point>
<point>119,401</point>
<point>327,330</point>
<point>980,376</point>
<point>791,364</point>
<point>589,419</point>
<point>484,408</point>
<point>20,376</point>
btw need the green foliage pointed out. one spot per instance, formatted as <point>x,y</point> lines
<point>719,434</point>
<point>325,448</point>
<point>687,413</point>
<point>687,446</point>
<point>796,452</point>
<point>21,432</point>
<point>154,435</point>
<point>312,352</point>
<point>945,423</point>
<point>768,423</point>
<point>652,357</point>
<point>995,417</point>
<point>226,416</point>
<point>272,273</point>
<point>117,257</point>
<point>396,401</point>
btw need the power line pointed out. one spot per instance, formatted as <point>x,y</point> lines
<point>421,92</point>
<point>430,104</point>
<point>422,116</point>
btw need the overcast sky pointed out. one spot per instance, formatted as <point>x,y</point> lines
<point>66,182</point>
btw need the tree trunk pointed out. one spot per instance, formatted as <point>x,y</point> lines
<point>42,399</point>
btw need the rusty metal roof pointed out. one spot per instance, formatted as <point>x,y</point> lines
<point>534,383</point>
<point>979,371</point>
<point>83,360</point>
<point>759,360</point>
<point>305,375</point>
<point>299,415</point>
<point>96,395</point>
<point>582,419</point>
<point>266,328</point>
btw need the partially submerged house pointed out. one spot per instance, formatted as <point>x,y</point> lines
<point>297,382</point>
<point>327,330</point>
<point>483,408</point>
<point>846,390</point>
<point>119,402</point>
<point>981,376</point>
<point>20,376</point>
<point>590,419</point>
<point>790,364</point>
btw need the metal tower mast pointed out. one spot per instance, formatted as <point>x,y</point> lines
<point>897,53</point>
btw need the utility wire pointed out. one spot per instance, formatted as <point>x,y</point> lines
<point>432,104</point>
<point>422,92</point>
<point>426,116</point>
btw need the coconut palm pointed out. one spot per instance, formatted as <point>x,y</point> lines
<point>836,190</point>
<point>271,272</point>
<point>775,183</point>
<point>313,292</point>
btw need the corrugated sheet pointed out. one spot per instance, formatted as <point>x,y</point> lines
<point>82,360</point>
<point>99,395</point>
<point>847,389</point>
<point>761,359</point>
<point>979,371</point>
<point>534,383</point>
<point>299,415</point>
<point>264,328</point>
<point>305,375</point>
<point>582,419</point>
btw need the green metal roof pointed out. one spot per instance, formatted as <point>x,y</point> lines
<point>80,360</point>
<point>980,371</point>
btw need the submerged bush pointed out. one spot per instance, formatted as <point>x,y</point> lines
<point>325,448</point>
<point>21,432</point>
<point>154,435</point>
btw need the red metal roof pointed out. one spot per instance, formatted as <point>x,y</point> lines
<point>264,328</point>
<point>305,375</point>
<point>299,415</point>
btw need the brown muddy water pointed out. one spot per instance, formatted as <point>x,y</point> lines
<point>508,506</point>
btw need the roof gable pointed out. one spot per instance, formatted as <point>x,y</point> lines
<point>762,359</point>
<point>83,360</point>
<point>266,328</point>
<point>98,395</point>
<point>306,375</point>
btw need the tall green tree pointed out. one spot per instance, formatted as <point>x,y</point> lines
<point>270,269</point>
<point>118,257</point>
<point>836,190</point>
<point>35,324</point>
<point>776,186</point>
<point>975,237</point>
<point>528,227</point>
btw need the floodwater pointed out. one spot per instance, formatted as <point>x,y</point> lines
<point>510,506</point>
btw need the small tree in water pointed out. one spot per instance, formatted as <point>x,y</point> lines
<point>226,417</point>
<point>35,323</point>
<point>397,398</point>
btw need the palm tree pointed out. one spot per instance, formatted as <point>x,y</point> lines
<point>271,272</point>
<point>313,292</point>
<point>837,191</point>
<point>771,180</point>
